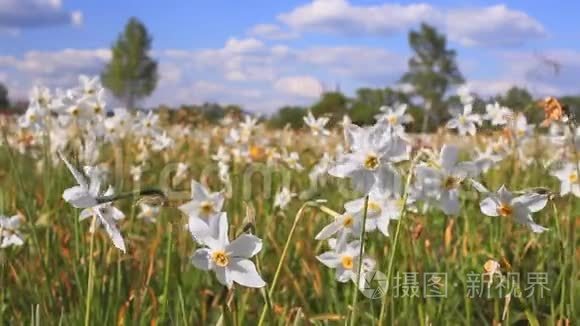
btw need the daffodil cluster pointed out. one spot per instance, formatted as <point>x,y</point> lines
<point>230,261</point>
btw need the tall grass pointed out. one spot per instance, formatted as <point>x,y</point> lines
<point>62,266</point>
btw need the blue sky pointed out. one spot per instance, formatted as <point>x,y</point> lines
<point>265,54</point>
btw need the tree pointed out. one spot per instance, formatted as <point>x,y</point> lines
<point>368,102</point>
<point>132,73</point>
<point>288,115</point>
<point>432,69</point>
<point>4,103</point>
<point>520,100</point>
<point>331,104</point>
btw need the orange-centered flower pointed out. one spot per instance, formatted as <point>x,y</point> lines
<point>505,210</point>
<point>348,220</point>
<point>347,262</point>
<point>373,207</point>
<point>451,182</point>
<point>220,258</point>
<point>371,161</point>
<point>206,208</point>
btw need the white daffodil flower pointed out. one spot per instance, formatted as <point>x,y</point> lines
<point>369,163</point>
<point>348,223</point>
<point>247,128</point>
<point>394,118</point>
<point>293,161</point>
<point>569,179</point>
<point>382,208</point>
<point>204,205</point>
<point>484,160</point>
<point>505,204</point>
<point>96,104</point>
<point>222,155</point>
<point>89,86</point>
<point>106,215</point>
<point>316,125</point>
<point>230,261</point>
<point>85,194</point>
<point>321,168</point>
<point>9,235</point>
<point>497,115</point>
<point>521,128</point>
<point>464,121</point>
<point>161,141</point>
<point>442,182</point>
<point>343,258</point>
<point>34,117</point>
<point>283,198</point>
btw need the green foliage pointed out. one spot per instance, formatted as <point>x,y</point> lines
<point>573,104</point>
<point>132,73</point>
<point>331,104</point>
<point>520,100</point>
<point>368,101</point>
<point>432,69</point>
<point>288,115</point>
<point>4,102</point>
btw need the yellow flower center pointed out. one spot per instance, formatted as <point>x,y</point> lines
<point>348,220</point>
<point>206,208</point>
<point>256,152</point>
<point>75,111</point>
<point>347,262</point>
<point>392,119</point>
<point>505,210</point>
<point>573,177</point>
<point>373,207</point>
<point>371,161</point>
<point>220,258</point>
<point>98,109</point>
<point>148,124</point>
<point>451,182</point>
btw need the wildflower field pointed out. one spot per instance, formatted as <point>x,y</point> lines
<point>123,218</point>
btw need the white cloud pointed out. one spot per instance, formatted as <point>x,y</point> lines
<point>555,72</point>
<point>492,26</point>
<point>304,86</point>
<point>340,17</point>
<point>21,14</point>
<point>272,32</point>
<point>51,68</point>
<point>76,18</point>
<point>367,66</point>
<point>248,45</point>
<point>472,26</point>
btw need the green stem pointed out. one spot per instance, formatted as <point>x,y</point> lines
<point>90,279</point>
<point>360,259</point>
<point>270,292</point>
<point>571,219</point>
<point>166,278</point>
<point>402,214</point>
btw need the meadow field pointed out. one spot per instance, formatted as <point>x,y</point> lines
<point>353,225</point>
